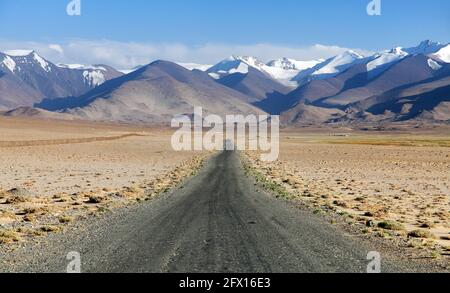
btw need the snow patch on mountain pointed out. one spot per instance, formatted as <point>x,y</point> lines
<point>291,64</point>
<point>44,64</point>
<point>330,67</point>
<point>252,61</point>
<point>386,57</point>
<point>233,64</point>
<point>285,69</point>
<point>443,54</point>
<point>434,65</point>
<point>9,63</point>
<point>339,63</point>
<point>242,68</point>
<point>81,67</point>
<point>282,75</point>
<point>94,78</point>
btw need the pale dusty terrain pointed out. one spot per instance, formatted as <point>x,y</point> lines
<point>68,170</point>
<point>53,173</point>
<point>404,178</point>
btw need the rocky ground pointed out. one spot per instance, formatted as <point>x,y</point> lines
<point>52,174</point>
<point>393,191</point>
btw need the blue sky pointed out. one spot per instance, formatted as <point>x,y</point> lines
<point>187,25</point>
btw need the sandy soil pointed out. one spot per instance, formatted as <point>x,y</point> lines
<point>71,169</point>
<point>374,178</point>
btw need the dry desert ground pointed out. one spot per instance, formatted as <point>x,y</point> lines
<point>55,172</point>
<point>397,184</point>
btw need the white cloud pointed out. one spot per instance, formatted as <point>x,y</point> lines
<point>57,48</point>
<point>123,55</point>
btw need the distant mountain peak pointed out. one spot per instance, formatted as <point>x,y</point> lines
<point>234,64</point>
<point>155,93</point>
<point>250,60</point>
<point>426,47</point>
<point>397,51</point>
<point>283,63</point>
<point>160,62</point>
<point>428,43</point>
<point>381,61</point>
<point>27,78</point>
<point>289,67</point>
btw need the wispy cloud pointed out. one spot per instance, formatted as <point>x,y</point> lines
<point>123,55</point>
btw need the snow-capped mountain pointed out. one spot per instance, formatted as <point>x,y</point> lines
<point>282,70</point>
<point>376,64</point>
<point>94,75</point>
<point>295,73</point>
<point>285,69</point>
<point>339,63</point>
<point>27,78</point>
<point>291,64</point>
<point>381,61</point>
<point>154,93</point>
<point>386,58</point>
<point>20,61</point>
<point>234,64</point>
<point>17,60</point>
<point>330,67</point>
<point>426,47</point>
<point>329,87</point>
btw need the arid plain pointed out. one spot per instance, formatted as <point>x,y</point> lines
<point>396,184</point>
<point>56,172</point>
<point>52,173</point>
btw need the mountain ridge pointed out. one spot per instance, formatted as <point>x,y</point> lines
<point>156,93</point>
<point>345,88</point>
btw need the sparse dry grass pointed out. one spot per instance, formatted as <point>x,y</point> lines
<point>96,199</point>
<point>421,234</point>
<point>15,199</point>
<point>390,225</point>
<point>50,228</point>
<point>388,178</point>
<point>8,236</point>
<point>65,219</point>
<point>54,173</point>
<point>391,141</point>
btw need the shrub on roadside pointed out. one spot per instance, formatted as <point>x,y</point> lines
<point>390,225</point>
<point>421,234</point>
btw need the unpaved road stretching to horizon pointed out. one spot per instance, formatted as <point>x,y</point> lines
<point>218,221</point>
